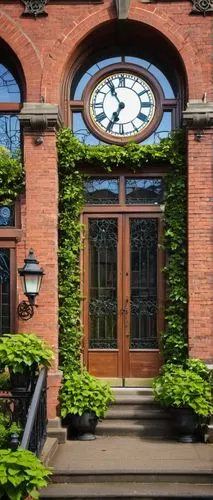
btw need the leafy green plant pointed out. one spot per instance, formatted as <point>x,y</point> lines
<point>4,381</point>
<point>71,156</point>
<point>7,427</point>
<point>21,474</point>
<point>83,392</point>
<point>186,386</point>
<point>11,176</point>
<point>24,349</point>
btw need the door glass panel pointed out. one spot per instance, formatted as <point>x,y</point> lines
<point>102,191</point>
<point>143,281</point>
<point>103,240</point>
<point>4,291</point>
<point>144,191</point>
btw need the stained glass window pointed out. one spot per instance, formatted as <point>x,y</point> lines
<point>103,236</point>
<point>102,191</point>
<point>4,291</point>
<point>144,191</point>
<point>143,241</point>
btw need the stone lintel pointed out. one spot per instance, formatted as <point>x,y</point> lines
<point>198,114</point>
<point>122,8</point>
<point>40,117</point>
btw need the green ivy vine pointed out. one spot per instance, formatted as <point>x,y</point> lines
<point>71,155</point>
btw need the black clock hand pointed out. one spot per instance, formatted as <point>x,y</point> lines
<point>116,113</point>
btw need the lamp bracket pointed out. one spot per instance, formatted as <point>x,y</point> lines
<point>25,310</point>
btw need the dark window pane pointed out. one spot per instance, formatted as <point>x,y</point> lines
<point>7,215</point>
<point>102,191</point>
<point>4,291</point>
<point>103,283</point>
<point>144,191</point>
<point>10,132</point>
<point>143,241</point>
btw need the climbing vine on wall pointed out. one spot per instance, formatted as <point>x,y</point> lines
<point>72,155</point>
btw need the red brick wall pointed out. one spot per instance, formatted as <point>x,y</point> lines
<point>46,48</point>
<point>200,246</point>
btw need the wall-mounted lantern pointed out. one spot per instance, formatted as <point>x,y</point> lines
<point>31,277</point>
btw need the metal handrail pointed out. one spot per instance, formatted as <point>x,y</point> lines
<point>33,410</point>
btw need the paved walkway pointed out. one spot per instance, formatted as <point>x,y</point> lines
<point>132,454</point>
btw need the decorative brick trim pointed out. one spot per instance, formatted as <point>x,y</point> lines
<point>198,6</point>
<point>198,114</point>
<point>38,117</point>
<point>36,7</point>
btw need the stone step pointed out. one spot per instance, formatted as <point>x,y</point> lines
<point>118,490</point>
<point>134,411</point>
<point>134,399</point>
<point>141,428</point>
<point>135,476</point>
<point>135,391</point>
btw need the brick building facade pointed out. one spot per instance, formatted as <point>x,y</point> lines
<point>45,54</point>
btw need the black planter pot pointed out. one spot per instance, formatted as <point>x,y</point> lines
<point>82,427</point>
<point>185,425</point>
<point>22,382</point>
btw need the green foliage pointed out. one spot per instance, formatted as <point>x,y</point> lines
<point>72,155</point>
<point>82,392</point>
<point>4,381</point>
<point>7,427</point>
<point>11,176</point>
<point>24,349</point>
<point>186,386</point>
<point>21,474</point>
<point>174,340</point>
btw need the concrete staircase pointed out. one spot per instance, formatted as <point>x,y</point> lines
<point>134,412</point>
<point>124,468</point>
<point>132,458</point>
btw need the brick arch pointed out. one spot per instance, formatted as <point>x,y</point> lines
<point>26,53</point>
<point>63,52</point>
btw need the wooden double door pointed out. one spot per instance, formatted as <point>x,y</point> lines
<point>123,294</point>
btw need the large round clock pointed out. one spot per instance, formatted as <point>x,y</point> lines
<point>122,104</point>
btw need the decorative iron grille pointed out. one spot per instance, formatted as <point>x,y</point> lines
<point>4,290</point>
<point>103,283</point>
<point>143,304</point>
<point>7,215</point>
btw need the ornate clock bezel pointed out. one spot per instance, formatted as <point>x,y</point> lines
<point>137,71</point>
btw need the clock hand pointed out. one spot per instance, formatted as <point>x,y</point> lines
<point>116,113</point>
<point>114,93</point>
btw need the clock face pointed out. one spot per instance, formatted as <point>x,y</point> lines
<point>122,105</point>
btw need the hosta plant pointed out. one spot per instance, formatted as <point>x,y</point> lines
<point>185,386</point>
<point>21,474</point>
<point>24,349</point>
<point>82,392</point>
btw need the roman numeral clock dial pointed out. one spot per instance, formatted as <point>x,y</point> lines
<point>122,106</point>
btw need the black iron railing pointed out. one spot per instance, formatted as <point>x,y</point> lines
<point>29,411</point>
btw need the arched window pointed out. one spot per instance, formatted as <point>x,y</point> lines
<point>126,92</point>
<point>10,98</point>
<point>11,95</point>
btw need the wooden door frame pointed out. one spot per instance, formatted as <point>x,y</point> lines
<point>123,284</point>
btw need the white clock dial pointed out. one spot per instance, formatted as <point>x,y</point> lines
<point>122,104</point>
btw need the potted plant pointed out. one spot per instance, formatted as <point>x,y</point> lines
<point>84,399</point>
<point>21,474</point>
<point>22,354</point>
<point>186,391</point>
